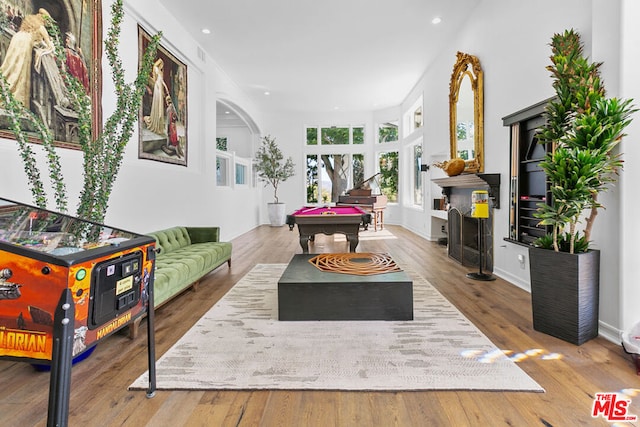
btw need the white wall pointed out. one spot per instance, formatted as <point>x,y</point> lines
<point>150,195</point>
<point>606,48</point>
<point>239,140</point>
<point>630,204</point>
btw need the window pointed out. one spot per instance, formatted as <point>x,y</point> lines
<point>330,175</point>
<point>242,168</point>
<point>358,135</point>
<point>241,174</point>
<point>312,179</point>
<point>413,119</point>
<point>388,132</point>
<point>312,136</point>
<point>417,118</point>
<point>222,171</point>
<point>358,169</point>
<point>334,135</point>
<point>416,175</point>
<point>388,167</point>
<point>232,170</point>
<point>334,171</point>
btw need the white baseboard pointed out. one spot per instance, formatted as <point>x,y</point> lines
<point>514,280</point>
<point>420,233</point>
<point>609,333</point>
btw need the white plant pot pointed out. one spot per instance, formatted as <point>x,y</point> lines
<point>277,214</point>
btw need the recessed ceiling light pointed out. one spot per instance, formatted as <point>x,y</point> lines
<point>206,31</point>
<point>436,20</point>
<point>227,112</point>
<point>267,93</point>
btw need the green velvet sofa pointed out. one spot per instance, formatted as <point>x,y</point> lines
<point>183,256</point>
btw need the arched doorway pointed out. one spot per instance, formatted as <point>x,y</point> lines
<point>237,127</point>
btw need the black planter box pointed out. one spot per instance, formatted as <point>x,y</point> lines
<point>565,294</point>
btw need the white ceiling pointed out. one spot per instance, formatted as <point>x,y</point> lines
<point>323,55</point>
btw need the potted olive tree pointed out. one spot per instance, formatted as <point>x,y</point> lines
<point>273,169</point>
<point>582,129</point>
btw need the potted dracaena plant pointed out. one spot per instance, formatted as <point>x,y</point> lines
<point>273,169</point>
<point>582,129</point>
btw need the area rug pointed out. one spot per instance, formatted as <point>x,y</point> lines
<point>240,344</point>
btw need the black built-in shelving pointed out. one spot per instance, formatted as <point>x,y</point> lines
<point>528,185</point>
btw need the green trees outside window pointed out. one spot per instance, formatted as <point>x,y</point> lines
<point>388,163</point>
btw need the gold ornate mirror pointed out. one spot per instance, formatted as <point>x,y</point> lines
<point>466,115</point>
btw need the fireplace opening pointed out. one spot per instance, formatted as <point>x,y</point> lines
<point>463,239</point>
<point>470,232</point>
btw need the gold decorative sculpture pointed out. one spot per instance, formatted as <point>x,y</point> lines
<point>451,167</point>
<point>363,264</point>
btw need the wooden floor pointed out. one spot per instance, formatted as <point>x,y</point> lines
<point>502,311</point>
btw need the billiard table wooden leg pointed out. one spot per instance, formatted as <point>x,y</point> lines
<point>304,243</point>
<point>353,241</point>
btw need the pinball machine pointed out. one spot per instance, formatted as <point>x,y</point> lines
<point>65,284</point>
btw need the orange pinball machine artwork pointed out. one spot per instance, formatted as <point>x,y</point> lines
<point>65,284</point>
<point>43,253</point>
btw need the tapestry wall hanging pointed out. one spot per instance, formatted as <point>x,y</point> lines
<point>28,63</point>
<point>163,113</point>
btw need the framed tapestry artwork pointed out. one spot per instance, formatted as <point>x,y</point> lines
<point>163,113</point>
<point>27,62</point>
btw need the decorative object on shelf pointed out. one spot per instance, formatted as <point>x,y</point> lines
<point>102,149</point>
<point>583,127</point>
<point>162,132</point>
<point>451,167</point>
<point>273,169</point>
<point>466,110</point>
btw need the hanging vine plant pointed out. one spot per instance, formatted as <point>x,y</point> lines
<point>102,153</point>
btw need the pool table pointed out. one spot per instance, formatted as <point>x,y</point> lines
<point>328,220</point>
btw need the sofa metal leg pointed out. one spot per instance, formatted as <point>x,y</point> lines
<point>134,327</point>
